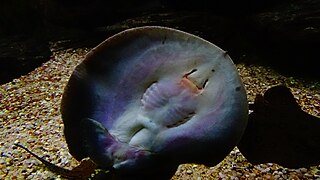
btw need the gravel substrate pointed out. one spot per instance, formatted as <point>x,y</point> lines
<point>29,115</point>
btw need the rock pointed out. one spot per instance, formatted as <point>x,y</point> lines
<point>220,7</point>
<point>90,13</point>
<point>287,36</point>
<point>23,44</point>
<point>280,132</point>
<point>20,17</point>
<point>99,12</point>
<point>21,56</point>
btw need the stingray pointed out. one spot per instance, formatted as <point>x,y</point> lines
<point>150,98</point>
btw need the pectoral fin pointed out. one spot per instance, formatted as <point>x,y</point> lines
<point>97,140</point>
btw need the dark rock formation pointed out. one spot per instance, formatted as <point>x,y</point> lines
<point>92,13</point>
<point>287,37</point>
<point>23,45</point>
<point>20,17</point>
<point>280,132</point>
<point>20,55</point>
<point>221,7</point>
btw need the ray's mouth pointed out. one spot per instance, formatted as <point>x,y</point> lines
<point>193,86</point>
<point>188,84</point>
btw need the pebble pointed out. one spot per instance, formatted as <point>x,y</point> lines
<point>303,170</point>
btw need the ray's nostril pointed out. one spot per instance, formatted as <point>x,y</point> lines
<point>192,71</point>
<point>205,83</point>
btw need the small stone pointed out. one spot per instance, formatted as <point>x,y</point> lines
<point>303,170</point>
<point>265,170</point>
<point>189,171</point>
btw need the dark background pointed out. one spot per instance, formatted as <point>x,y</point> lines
<point>284,34</point>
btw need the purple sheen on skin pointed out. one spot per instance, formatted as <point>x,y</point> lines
<point>158,90</point>
<point>107,150</point>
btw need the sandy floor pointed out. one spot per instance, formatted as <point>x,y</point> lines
<point>29,114</point>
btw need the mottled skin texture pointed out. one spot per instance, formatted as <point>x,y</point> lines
<point>151,98</point>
